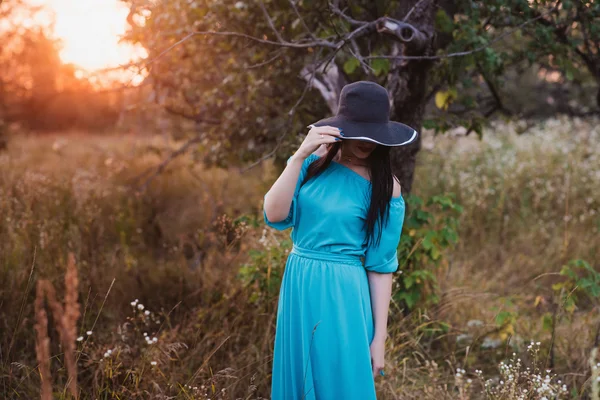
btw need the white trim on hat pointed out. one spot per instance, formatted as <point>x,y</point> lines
<point>413,137</point>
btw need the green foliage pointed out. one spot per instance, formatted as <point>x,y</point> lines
<point>548,35</point>
<point>263,273</point>
<point>381,66</point>
<point>351,65</point>
<point>582,282</point>
<point>252,86</point>
<point>430,228</point>
<point>73,197</point>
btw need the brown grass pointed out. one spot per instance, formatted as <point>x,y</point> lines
<point>42,344</point>
<point>65,319</point>
<point>180,247</point>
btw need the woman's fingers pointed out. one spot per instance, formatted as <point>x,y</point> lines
<point>326,130</point>
<point>377,371</point>
<point>325,139</point>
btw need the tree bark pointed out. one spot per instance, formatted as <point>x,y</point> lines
<point>412,30</point>
<point>408,107</point>
<point>407,81</point>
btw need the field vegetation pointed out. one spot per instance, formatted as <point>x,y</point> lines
<point>170,291</point>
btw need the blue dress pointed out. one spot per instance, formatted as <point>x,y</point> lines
<point>324,319</point>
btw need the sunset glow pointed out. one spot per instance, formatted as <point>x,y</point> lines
<point>90,31</point>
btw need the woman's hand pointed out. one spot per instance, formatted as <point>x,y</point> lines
<point>377,355</point>
<point>317,136</point>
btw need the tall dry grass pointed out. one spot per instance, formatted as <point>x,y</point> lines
<point>164,313</point>
<point>65,321</point>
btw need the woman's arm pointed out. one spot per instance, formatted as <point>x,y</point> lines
<point>279,198</point>
<point>380,286</point>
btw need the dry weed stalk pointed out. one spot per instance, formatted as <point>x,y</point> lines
<point>595,378</point>
<point>65,318</point>
<point>42,343</point>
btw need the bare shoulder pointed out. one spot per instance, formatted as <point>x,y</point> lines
<point>397,187</point>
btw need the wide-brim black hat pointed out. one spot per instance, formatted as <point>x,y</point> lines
<point>363,114</point>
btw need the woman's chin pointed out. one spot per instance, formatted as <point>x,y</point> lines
<point>363,155</point>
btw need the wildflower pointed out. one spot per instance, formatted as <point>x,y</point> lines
<point>89,333</point>
<point>146,312</point>
<point>140,307</point>
<point>153,363</point>
<point>80,338</point>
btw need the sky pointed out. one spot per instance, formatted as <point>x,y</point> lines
<point>90,31</point>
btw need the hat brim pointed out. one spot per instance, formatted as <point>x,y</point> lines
<point>386,134</point>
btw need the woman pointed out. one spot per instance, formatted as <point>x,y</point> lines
<point>346,209</point>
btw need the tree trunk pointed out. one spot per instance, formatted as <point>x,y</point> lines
<point>412,30</point>
<point>407,80</point>
<point>408,99</point>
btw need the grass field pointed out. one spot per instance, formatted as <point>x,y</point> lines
<point>171,292</point>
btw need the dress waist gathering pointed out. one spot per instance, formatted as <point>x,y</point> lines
<point>327,256</point>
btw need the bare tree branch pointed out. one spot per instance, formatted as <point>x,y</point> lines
<point>296,45</point>
<point>404,32</point>
<point>355,51</point>
<point>261,64</point>
<point>161,167</point>
<point>285,130</point>
<point>463,53</point>
<point>499,104</point>
<point>336,10</point>
<point>408,14</point>
<point>270,22</point>
<point>194,117</point>
<point>363,28</point>
<point>328,87</point>
<point>308,30</point>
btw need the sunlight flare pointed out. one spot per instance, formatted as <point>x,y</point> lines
<point>90,32</point>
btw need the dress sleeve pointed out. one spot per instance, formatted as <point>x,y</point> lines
<point>383,257</point>
<point>290,220</point>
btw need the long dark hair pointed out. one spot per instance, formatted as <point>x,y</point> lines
<point>382,186</point>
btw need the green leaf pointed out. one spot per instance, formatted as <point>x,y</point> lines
<point>547,322</point>
<point>381,66</point>
<point>350,65</point>
<point>569,74</point>
<point>429,124</point>
<point>503,317</point>
<point>443,23</point>
<point>435,253</point>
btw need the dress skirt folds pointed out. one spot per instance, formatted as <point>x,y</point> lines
<point>324,319</point>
